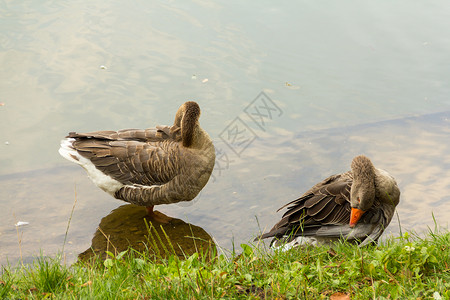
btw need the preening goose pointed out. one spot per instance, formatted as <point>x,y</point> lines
<point>147,167</point>
<point>357,206</point>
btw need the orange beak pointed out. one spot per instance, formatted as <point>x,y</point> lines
<point>355,215</point>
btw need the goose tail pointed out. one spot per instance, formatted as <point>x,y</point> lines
<point>68,151</point>
<point>103,181</point>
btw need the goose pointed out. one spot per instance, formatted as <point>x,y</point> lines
<point>356,205</point>
<point>147,167</point>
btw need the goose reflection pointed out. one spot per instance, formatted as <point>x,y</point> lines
<point>130,226</point>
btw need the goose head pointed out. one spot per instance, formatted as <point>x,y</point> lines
<point>187,118</point>
<point>362,192</point>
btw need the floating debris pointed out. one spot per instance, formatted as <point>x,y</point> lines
<point>103,67</point>
<point>205,80</point>
<point>6,143</point>
<point>194,77</point>
<point>2,104</point>
<point>291,86</point>
<point>21,223</point>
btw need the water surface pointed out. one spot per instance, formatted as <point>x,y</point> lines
<point>342,79</point>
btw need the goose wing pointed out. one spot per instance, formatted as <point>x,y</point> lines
<point>160,133</point>
<point>326,203</point>
<point>143,157</point>
<point>369,228</point>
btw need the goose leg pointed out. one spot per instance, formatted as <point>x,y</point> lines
<point>157,216</point>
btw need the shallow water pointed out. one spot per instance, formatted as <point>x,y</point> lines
<point>338,80</point>
<point>130,226</point>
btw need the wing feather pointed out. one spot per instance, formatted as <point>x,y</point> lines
<point>141,157</point>
<point>328,202</point>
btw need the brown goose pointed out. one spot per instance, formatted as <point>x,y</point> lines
<point>147,167</point>
<point>357,206</point>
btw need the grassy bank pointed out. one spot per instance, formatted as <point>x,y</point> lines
<point>406,267</point>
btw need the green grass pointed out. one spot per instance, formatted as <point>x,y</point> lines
<point>407,267</point>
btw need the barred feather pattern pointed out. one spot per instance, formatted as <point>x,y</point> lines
<point>324,210</point>
<point>149,166</point>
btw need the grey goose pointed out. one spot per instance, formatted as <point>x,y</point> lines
<point>147,167</point>
<point>356,205</point>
